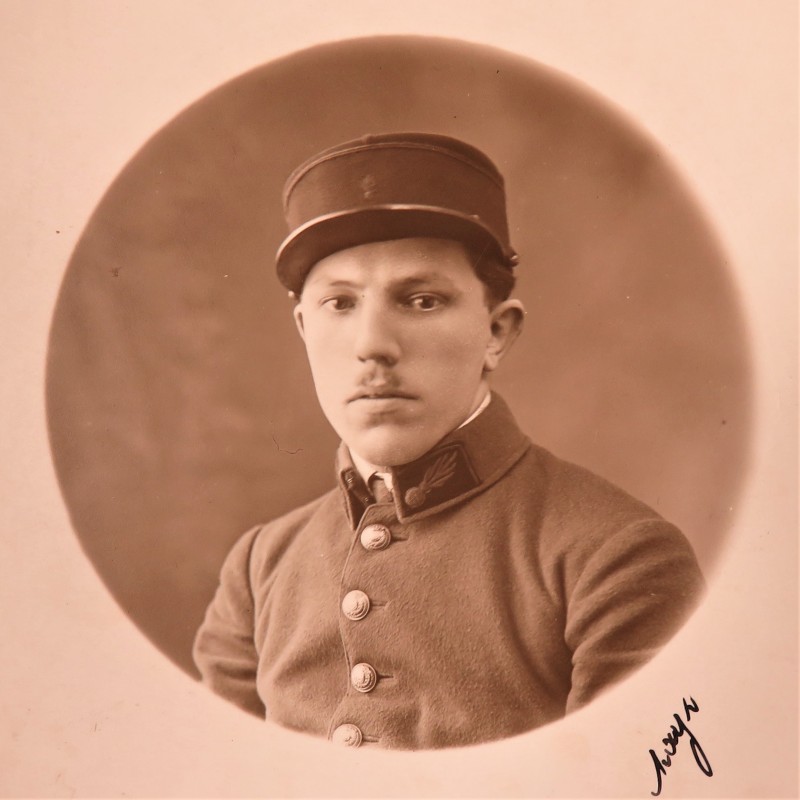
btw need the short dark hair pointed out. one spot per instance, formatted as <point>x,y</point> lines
<point>497,278</point>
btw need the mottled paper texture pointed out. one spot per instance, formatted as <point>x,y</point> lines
<point>90,706</point>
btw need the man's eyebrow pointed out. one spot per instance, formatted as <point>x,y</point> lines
<point>426,279</point>
<point>334,283</point>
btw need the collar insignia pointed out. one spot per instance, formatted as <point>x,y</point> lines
<point>465,462</point>
<point>439,475</point>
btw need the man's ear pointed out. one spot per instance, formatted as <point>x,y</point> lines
<point>298,321</point>
<point>506,319</point>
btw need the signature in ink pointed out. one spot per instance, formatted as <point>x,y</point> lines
<point>677,730</point>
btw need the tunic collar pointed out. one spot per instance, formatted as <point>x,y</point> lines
<point>366,470</point>
<point>467,461</point>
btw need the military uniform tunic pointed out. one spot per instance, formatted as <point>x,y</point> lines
<point>499,589</point>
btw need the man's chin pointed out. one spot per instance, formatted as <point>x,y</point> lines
<point>386,448</point>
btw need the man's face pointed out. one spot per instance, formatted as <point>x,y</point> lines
<point>398,336</point>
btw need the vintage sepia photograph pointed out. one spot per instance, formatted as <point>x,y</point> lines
<point>410,403</point>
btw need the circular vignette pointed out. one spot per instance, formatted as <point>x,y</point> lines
<point>180,407</point>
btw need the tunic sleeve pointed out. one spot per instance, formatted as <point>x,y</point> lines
<point>224,649</point>
<point>631,597</point>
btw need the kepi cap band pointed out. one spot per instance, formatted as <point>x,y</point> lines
<point>392,186</point>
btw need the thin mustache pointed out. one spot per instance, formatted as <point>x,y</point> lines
<point>378,384</point>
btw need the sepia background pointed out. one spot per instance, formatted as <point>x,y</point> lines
<point>89,706</point>
<point>180,403</point>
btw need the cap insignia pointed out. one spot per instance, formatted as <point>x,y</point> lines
<point>368,186</point>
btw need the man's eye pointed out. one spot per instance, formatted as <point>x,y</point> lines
<point>425,302</point>
<point>341,303</point>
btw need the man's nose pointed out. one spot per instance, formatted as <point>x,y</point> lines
<point>376,337</point>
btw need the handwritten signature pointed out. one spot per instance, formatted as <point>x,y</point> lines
<point>677,730</point>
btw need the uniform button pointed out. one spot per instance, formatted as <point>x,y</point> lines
<point>363,677</point>
<point>355,605</point>
<point>347,735</point>
<point>375,537</point>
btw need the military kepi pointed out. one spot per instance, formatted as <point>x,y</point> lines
<point>392,186</point>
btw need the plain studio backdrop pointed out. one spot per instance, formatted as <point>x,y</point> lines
<point>90,707</point>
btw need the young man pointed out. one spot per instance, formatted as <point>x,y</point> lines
<point>460,584</point>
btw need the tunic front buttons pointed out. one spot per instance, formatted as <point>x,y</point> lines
<point>375,537</point>
<point>355,605</point>
<point>348,735</point>
<point>363,677</point>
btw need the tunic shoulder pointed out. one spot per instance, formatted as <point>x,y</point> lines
<point>271,540</point>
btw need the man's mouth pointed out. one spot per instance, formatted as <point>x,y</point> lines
<point>381,394</point>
